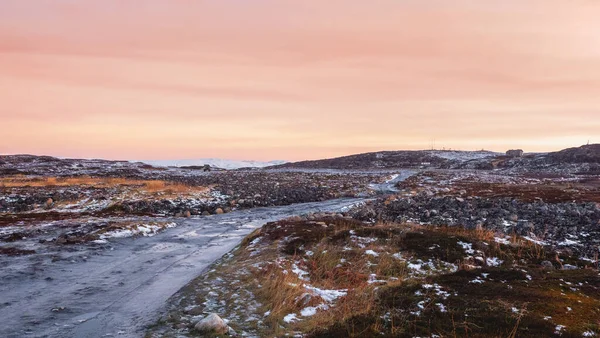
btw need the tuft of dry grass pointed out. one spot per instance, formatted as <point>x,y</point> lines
<point>283,293</point>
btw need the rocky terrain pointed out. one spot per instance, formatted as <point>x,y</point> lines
<point>465,244</point>
<point>45,200</point>
<point>423,236</point>
<point>562,212</point>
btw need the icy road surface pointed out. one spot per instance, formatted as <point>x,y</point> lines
<point>389,186</point>
<point>117,289</point>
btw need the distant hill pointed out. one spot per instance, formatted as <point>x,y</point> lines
<point>579,159</point>
<point>585,154</point>
<point>397,159</point>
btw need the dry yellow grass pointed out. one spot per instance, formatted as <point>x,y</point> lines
<point>151,186</point>
<point>25,181</point>
<point>282,293</point>
<point>168,187</point>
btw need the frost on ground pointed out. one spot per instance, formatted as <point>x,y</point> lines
<point>330,276</point>
<point>149,229</point>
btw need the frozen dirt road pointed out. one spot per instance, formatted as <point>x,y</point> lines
<point>117,289</point>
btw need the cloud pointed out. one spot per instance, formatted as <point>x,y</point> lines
<point>287,79</point>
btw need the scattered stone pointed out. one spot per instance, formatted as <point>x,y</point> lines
<point>547,265</point>
<point>212,324</point>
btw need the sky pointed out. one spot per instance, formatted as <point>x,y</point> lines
<point>292,80</point>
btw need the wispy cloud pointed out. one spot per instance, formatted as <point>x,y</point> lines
<point>295,79</point>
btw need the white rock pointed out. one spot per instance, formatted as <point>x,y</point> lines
<point>212,324</point>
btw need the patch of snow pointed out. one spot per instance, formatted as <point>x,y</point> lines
<point>558,329</point>
<point>373,279</point>
<point>494,261</point>
<point>327,295</point>
<point>468,247</point>
<point>147,230</point>
<point>290,318</point>
<point>414,266</point>
<point>299,272</point>
<point>501,240</point>
<point>352,206</point>
<point>568,242</point>
<point>312,310</point>
<point>372,253</point>
<point>535,240</point>
<point>308,311</point>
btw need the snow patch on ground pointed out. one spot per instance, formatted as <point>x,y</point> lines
<point>299,272</point>
<point>535,240</point>
<point>494,261</point>
<point>142,229</point>
<point>372,253</point>
<point>501,240</point>
<point>468,247</point>
<point>290,318</point>
<point>327,295</point>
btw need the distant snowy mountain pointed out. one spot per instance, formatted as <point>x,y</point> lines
<point>214,162</point>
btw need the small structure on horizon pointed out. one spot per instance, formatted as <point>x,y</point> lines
<point>515,153</point>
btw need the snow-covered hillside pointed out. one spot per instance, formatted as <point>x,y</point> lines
<point>214,162</point>
<point>463,155</point>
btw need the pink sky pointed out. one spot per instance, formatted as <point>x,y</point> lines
<point>283,79</point>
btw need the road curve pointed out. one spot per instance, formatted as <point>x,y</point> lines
<point>116,290</point>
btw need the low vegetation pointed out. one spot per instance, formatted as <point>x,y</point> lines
<point>337,277</point>
<point>150,186</point>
